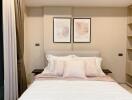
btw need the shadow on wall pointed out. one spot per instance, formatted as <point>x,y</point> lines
<point>83,11</point>
<point>88,11</point>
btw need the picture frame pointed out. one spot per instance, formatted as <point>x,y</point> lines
<point>81,30</point>
<point>61,30</point>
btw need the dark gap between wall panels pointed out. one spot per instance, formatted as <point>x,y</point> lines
<point>1,56</point>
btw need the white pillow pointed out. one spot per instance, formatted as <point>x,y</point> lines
<point>74,68</point>
<point>51,59</point>
<point>59,67</point>
<point>99,63</point>
<point>98,59</point>
<point>92,69</point>
<point>47,72</point>
<point>92,66</point>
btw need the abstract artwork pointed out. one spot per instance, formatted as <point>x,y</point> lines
<point>82,30</point>
<point>62,30</point>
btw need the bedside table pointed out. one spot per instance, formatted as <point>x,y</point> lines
<point>37,71</point>
<point>106,71</point>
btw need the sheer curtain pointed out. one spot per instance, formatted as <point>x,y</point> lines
<point>14,69</point>
<point>10,51</point>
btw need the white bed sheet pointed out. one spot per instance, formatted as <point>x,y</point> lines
<point>75,90</point>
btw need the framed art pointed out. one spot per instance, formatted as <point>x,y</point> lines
<point>62,30</point>
<point>82,30</point>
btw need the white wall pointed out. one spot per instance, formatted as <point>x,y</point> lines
<point>109,31</point>
<point>33,34</point>
<point>108,36</point>
<point>49,13</point>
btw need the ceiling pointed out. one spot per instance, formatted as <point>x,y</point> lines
<point>76,3</point>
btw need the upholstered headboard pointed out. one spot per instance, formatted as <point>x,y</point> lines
<point>78,53</point>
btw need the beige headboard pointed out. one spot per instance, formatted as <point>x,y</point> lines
<point>78,53</point>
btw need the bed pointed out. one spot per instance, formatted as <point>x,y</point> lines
<point>51,87</point>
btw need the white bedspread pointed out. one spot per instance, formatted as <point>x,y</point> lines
<point>75,90</point>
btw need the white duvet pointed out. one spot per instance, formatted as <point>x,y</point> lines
<point>75,90</point>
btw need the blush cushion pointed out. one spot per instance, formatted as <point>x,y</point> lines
<point>92,66</point>
<point>74,68</point>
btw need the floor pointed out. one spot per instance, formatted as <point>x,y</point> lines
<point>128,88</point>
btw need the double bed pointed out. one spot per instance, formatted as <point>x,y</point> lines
<point>51,87</point>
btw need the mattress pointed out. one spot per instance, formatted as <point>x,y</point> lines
<point>71,89</point>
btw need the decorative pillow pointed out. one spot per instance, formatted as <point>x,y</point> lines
<point>92,66</point>
<point>52,58</point>
<point>47,72</point>
<point>74,68</point>
<point>98,59</point>
<point>98,63</point>
<point>59,67</point>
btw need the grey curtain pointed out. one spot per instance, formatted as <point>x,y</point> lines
<point>19,14</point>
